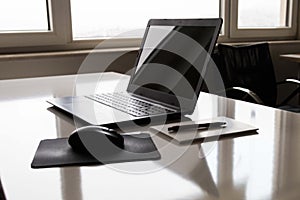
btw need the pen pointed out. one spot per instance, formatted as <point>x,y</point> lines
<point>198,126</point>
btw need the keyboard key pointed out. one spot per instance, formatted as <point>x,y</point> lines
<point>128,104</point>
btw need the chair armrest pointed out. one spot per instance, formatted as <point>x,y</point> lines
<point>294,93</point>
<point>252,94</point>
<point>289,81</point>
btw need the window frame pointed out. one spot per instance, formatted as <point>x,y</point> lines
<point>60,37</point>
<point>60,33</point>
<point>289,32</point>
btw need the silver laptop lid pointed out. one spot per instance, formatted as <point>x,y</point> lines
<point>172,60</point>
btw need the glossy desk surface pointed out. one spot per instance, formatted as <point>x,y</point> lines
<point>263,166</point>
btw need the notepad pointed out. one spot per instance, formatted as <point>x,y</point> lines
<point>232,129</point>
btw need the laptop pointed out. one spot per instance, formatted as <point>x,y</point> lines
<point>166,79</point>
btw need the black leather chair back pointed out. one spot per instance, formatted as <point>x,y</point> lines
<point>251,67</point>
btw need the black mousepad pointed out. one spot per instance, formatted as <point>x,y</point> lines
<point>58,153</point>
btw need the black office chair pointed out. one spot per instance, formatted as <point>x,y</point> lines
<point>248,74</point>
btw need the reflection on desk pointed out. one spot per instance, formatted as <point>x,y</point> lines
<point>263,166</point>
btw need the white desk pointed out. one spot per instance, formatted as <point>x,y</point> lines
<point>263,166</point>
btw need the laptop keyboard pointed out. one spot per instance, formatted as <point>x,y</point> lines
<point>129,104</point>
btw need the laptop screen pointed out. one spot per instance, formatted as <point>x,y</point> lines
<point>173,59</point>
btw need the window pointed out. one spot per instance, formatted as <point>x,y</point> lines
<point>268,18</point>
<point>253,14</point>
<point>77,24</point>
<point>30,15</point>
<point>100,19</point>
<point>34,23</point>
